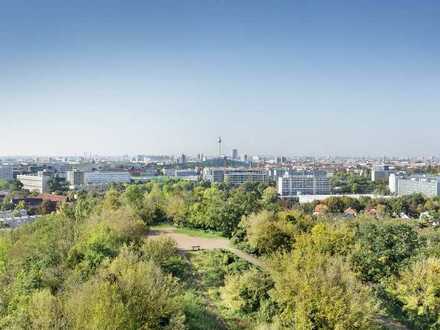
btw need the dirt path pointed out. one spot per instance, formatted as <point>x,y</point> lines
<point>186,243</point>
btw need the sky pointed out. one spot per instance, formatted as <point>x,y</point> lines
<point>352,78</point>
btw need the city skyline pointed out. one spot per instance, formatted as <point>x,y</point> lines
<point>321,78</point>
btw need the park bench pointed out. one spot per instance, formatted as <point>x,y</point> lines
<point>196,247</point>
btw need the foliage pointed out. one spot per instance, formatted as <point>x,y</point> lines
<point>129,294</point>
<point>57,185</point>
<point>315,291</point>
<point>351,183</point>
<point>266,232</point>
<point>213,266</point>
<point>418,290</point>
<point>381,250</point>
<point>248,293</point>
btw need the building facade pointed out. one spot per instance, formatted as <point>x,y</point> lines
<point>75,179</point>
<point>6,172</point>
<point>105,178</point>
<point>39,182</point>
<point>239,176</point>
<point>186,174</point>
<point>381,173</point>
<point>214,174</point>
<point>234,176</point>
<point>291,185</point>
<point>428,186</point>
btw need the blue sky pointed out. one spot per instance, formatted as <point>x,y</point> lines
<point>169,76</point>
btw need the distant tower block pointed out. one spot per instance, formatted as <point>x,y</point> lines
<point>219,141</point>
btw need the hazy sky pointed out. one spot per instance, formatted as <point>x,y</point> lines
<point>167,76</point>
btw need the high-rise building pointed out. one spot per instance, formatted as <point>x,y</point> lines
<point>291,185</point>
<point>381,173</point>
<point>6,172</point>
<point>235,154</point>
<point>75,179</point>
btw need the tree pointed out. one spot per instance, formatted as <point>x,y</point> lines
<point>58,185</point>
<point>129,294</point>
<point>111,200</point>
<point>45,311</point>
<point>328,239</point>
<point>418,290</point>
<point>177,208</point>
<point>382,249</point>
<point>154,206</point>
<point>15,185</point>
<point>248,293</point>
<point>19,207</point>
<point>134,196</point>
<point>316,291</point>
<point>269,199</point>
<point>268,233</point>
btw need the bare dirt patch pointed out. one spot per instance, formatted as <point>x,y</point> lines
<point>187,242</point>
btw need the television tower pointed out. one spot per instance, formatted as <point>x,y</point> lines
<point>219,141</point>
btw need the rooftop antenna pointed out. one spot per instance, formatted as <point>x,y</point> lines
<point>219,141</point>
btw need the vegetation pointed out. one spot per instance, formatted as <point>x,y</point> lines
<point>58,185</point>
<point>91,265</point>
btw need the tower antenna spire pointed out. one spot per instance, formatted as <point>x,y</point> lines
<point>219,141</point>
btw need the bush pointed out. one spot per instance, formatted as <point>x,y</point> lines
<point>418,290</point>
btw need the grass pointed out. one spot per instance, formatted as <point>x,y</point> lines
<point>198,315</point>
<point>203,307</point>
<point>189,231</point>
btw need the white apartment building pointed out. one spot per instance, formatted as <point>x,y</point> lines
<point>38,183</point>
<point>104,178</point>
<point>292,185</point>
<point>428,186</point>
<point>234,176</point>
<point>6,172</point>
<point>239,176</point>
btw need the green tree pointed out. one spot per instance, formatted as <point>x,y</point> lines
<point>45,311</point>
<point>154,206</point>
<point>20,206</point>
<point>382,249</point>
<point>316,291</point>
<point>248,294</point>
<point>266,232</point>
<point>418,290</point>
<point>269,199</point>
<point>58,185</point>
<point>111,200</point>
<point>129,294</point>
